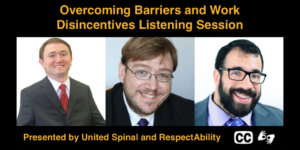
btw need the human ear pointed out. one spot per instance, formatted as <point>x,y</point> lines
<point>122,72</point>
<point>217,76</point>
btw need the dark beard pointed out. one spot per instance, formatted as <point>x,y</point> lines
<point>238,110</point>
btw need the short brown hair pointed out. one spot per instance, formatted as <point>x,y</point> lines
<point>53,40</point>
<point>145,48</point>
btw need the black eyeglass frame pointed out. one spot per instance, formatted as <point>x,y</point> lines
<point>149,76</point>
<point>246,73</point>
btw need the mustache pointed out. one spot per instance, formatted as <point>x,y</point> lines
<point>148,91</point>
<point>243,91</point>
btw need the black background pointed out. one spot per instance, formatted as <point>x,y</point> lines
<point>38,18</point>
<point>261,19</point>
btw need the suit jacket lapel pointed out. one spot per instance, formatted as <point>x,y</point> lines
<point>163,115</point>
<point>50,93</point>
<point>117,108</point>
<point>204,113</point>
<point>74,91</point>
<point>201,113</point>
<point>260,116</point>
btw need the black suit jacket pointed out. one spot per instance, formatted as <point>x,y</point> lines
<point>40,106</point>
<point>175,110</point>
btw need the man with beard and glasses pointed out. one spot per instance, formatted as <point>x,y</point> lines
<point>238,76</point>
<point>143,97</point>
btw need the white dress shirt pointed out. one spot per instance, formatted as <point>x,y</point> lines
<point>135,118</point>
<point>56,85</point>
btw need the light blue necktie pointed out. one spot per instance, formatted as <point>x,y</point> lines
<point>235,122</point>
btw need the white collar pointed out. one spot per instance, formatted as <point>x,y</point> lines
<point>134,117</point>
<point>56,85</point>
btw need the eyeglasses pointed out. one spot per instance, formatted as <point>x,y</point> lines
<point>144,75</point>
<point>239,75</point>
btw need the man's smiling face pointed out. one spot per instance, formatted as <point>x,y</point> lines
<point>238,98</point>
<point>145,96</point>
<point>57,60</point>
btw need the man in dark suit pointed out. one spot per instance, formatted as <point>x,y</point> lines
<point>238,77</point>
<point>143,97</point>
<point>58,100</point>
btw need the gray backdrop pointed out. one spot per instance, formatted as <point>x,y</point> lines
<point>183,81</point>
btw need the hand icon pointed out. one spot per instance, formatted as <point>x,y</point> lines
<point>262,135</point>
<point>270,138</point>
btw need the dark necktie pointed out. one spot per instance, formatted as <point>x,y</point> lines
<point>143,122</point>
<point>235,122</point>
<point>64,97</point>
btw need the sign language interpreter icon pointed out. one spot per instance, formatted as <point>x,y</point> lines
<point>267,137</point>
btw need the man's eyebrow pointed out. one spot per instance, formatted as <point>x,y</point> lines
<point>256,71</point>
<point>237,68</point>
<point>149,67</point>
<point>52,52</point>
<point>241,68</point>
<point>166,69</point>
<point>141,65</point>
